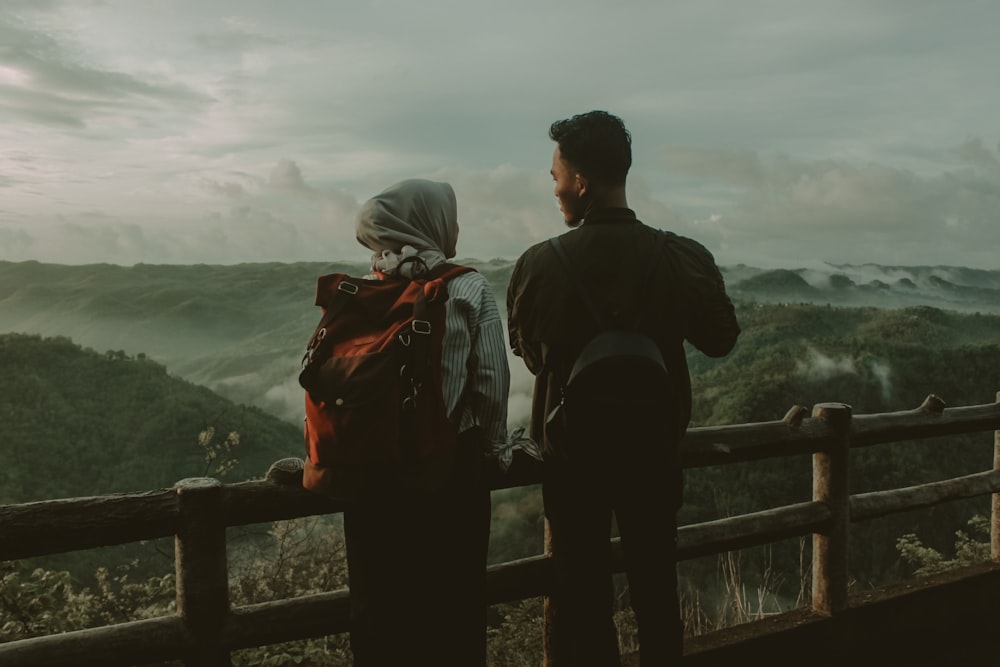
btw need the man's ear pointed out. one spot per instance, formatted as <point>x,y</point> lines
<point>582,185</point>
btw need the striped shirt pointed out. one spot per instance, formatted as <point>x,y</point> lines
<point>474,359</point>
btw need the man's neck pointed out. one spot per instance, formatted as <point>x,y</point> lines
<point>609,198</point>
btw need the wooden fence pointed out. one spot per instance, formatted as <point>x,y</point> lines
<point>197,512</point>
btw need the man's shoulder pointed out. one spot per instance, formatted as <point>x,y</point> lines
<point>538,247</point>
<point>688,247</point>
<point>687,256</point>
<point>530,256</point>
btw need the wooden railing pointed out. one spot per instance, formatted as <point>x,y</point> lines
<point>197,512</point>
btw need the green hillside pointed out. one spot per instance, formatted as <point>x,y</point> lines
<point>239,330</point>
<point>875,360</point>
<point>76,422</point>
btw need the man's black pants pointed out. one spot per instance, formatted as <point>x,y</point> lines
<point>644,492</point>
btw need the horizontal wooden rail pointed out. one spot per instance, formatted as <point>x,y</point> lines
<point>279,621</point>
<point>748,530</point>
<point>134,643</point>
<point>288,620</point>
<point>57,526</point>
<point>865,506</point>
<point>930,420</point>
<point>720,445</point>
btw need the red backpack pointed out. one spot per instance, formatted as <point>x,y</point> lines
<point>375,412</point>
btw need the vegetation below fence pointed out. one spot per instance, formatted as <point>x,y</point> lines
<point>205,628</point>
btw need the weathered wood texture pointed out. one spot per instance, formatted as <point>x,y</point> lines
<point>287,620</point>
<point>995,521</point>
<point>928,421</point>
<point>57,526</point>
<point>167,638</point>
<point>791,436</point>
<point>279,496</point>
<point>946,620</point>
<point>550,613</point>
<point>197,511</point>
<point>202,570</point>
<point>875,504</point>
<point>748,530</point>
<point>831,488</point>
<point>125,644</point>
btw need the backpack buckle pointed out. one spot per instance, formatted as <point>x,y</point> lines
<point>350,288</point>
<point>421,327</point>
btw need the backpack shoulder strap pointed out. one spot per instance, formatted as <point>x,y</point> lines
<point>446,271</point>
<point>654,260</point>
<point>577,280</point>
<point>443,272</point>
<point>344,291</point>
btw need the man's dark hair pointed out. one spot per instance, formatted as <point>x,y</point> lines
<point>597,144</point>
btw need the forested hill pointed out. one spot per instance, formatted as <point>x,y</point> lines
<point>878,360</point>
<point>239,330</point>
<point>875,360</point>
<point>76,422</point>
<point>944,287</point>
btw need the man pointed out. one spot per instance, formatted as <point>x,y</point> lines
<point>685,299</point>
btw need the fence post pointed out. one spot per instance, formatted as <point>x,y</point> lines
<point>202,573</point>
<point>550,614</point>
<point>830,486</point>
<point>995,518</point>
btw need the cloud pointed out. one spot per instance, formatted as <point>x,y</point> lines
<point>817,367</point>
<point>239,234</point>
<point>169,115</point>
<point>15,243</point>
<point>882,373</point>
<point>779,206</point>
<point>229,189</point>
<point>501,210</point>
<point>975,152</point>
<point>285,399</point>
<point>235,37</point>
<point>287,176</point>
<point>522,385</point>
<point>49,81</point>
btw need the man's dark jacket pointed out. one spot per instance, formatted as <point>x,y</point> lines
<point>685,300</point>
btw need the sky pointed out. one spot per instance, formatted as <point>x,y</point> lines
<point>778,133</point>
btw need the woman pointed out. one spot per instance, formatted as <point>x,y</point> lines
<point>417,563</point>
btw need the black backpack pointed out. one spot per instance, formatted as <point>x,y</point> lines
<point>618,394</point>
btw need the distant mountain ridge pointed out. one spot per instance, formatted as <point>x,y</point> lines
<point>241,329</point>
<point>945,287</point>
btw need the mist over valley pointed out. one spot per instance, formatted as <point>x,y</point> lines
<point>241,329</point>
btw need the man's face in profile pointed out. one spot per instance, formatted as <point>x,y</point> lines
<point>569,190</point>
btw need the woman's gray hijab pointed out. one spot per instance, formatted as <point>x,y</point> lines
<point>415,217</point>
